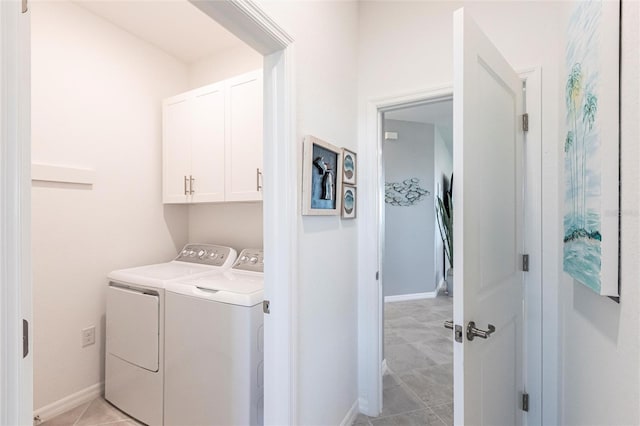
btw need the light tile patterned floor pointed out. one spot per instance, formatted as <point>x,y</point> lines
<point>418,390</point>
<point>96,412</point>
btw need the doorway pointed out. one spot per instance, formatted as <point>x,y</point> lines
<point>96,108</point>
<point>248,23</point>
<point>372,295</point>
<point>417,151</point>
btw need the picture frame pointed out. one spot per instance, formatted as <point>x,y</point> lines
<point>349,167</point>
<point>321,178</point>
<point>591,243</point>
<point>349,201</point>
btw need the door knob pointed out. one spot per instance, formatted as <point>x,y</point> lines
<point>473,332</point>
<point>448,324</point>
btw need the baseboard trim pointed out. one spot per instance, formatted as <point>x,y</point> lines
<point>364,405</point>
<point>69,402</point>
<point>412,296</point>
<point>351,414</point>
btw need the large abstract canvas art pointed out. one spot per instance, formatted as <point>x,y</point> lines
<point>591,146</point>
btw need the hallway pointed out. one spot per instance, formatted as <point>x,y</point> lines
<point>418,385</point>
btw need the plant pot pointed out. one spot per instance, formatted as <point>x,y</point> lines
<point>449,282</point>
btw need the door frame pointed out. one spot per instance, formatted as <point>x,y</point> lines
<point>251,24</point>
<point>16,386</point>
<point>371,246</point>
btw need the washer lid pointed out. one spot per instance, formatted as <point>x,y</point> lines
<point>159,274</point>
<point>233,288</point>
<point>229,281</point>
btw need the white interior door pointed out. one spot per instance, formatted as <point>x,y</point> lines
<point>488,237</point>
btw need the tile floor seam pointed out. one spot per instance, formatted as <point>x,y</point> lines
<point>399,414</point>
<point>436,414</point>
<point>111,423</point>
<point>83,412</point>
<point>411,391</point>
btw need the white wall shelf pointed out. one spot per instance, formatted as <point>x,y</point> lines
<point>62,174</point>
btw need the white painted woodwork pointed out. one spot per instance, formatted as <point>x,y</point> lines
<point>208,144</point>
<point>243,178</point>
<point>61,174</point>
<point>212,142</point>
<point>16,370</point>
<point>176,149</point>
<point>488,229</point>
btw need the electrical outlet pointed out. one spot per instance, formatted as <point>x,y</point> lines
<point>88,336</point>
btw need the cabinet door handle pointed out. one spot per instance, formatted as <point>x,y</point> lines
<point>185,186</point>
<point>191,182</point>
<point>258,178</point>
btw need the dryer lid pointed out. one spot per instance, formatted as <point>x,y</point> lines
<point>231,282</point>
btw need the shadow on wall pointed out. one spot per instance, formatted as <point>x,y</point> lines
<point>175,216</point>
<point>600,312</point>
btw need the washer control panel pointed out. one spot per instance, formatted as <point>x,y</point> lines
<point>250,260</point>
<point>207,254</point>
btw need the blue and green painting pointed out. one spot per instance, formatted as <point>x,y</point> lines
<point>349,167</point>
<point>349,201</point>
<point>582,145</point>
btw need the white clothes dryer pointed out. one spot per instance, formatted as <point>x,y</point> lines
<point>134,365</point>
<point>214,347</point>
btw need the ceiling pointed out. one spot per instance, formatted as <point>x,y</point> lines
<point>436,113</point>
<point>440,114</point>
<point>176,27</point>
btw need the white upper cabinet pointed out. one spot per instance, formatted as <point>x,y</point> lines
<point>208,145</point>
<point>212,142</point>
<point>243,180</point>
<point>176,149</point>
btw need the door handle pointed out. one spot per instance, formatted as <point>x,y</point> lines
<point>448,324</point>
<point>473,332</point>
<point>191,181</point>
<point>258,176</point>
<point>185,186</point>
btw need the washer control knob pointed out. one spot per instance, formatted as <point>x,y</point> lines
<point>244,259</point>
<point>202,253</point>
<point>192,253</point>
<point>184,253</point>
<point>213,255</point>
<point>253,260</point>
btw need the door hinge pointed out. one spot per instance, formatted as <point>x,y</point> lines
<point>25,338</point>
<point>266,306</point>
<point>525,402</point>
<point>377,275</point>
<point>525,262</point>
<point>525,122</point>
<point>25,6</point>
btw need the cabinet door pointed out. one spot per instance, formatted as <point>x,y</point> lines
<point>243,180</point>
<point>208,144</point>
<point>176,149</point>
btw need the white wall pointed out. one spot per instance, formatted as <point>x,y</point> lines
<point>442,169</point>
<point>409,260</point>
<point>238,225</point>
<point>601,339</point>
<point>96,103</point>
<point>325,35</point>
<point>225,64</point>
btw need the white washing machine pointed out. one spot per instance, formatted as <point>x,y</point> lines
<point>134,376</point>
<point>214,347</point>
